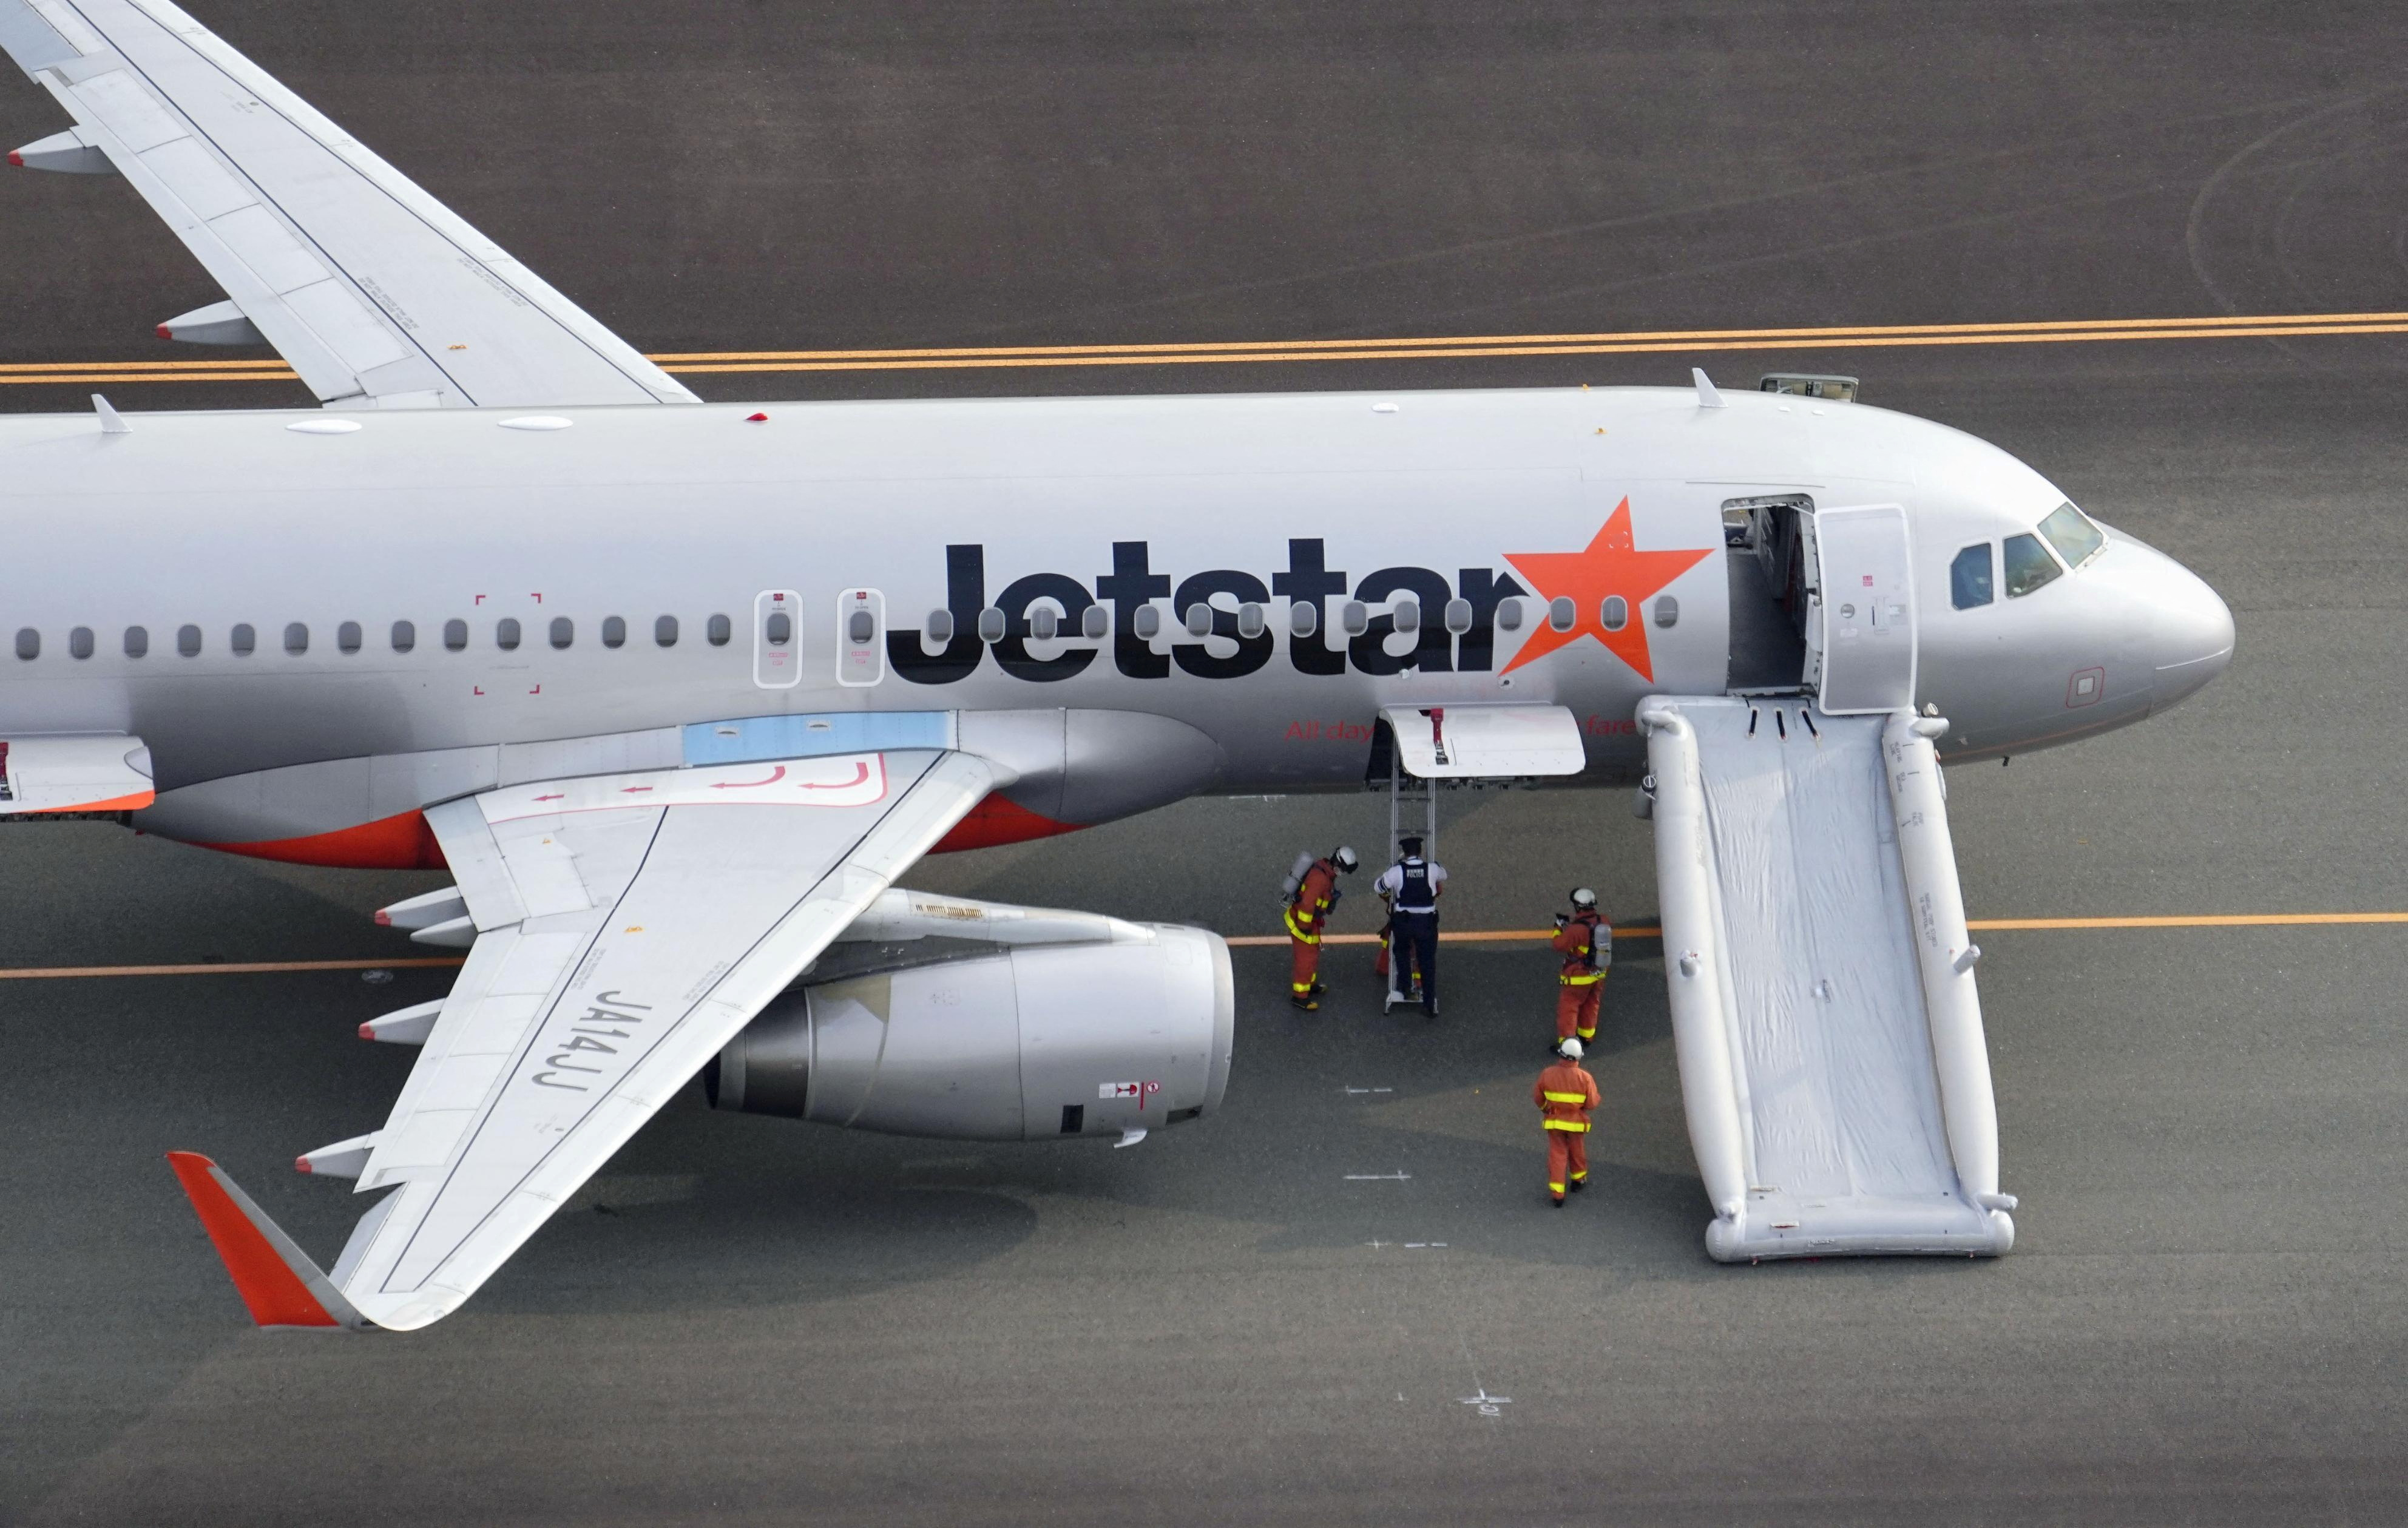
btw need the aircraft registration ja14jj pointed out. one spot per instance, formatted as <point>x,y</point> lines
<point>677,690</point>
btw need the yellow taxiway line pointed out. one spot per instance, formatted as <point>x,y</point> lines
<point>1509,936</point>
<point>1632,342</point>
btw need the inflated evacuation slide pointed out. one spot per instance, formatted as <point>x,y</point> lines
<point>1824,1005</point>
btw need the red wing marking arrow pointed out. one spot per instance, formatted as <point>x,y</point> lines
<point>551,799</point>
<point>860,776</point>
<point>775,776</point>
<point>632,789</point>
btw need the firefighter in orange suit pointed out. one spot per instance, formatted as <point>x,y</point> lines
<point>1586,944</point>
<point>1566,1096</point>
<point>1315,893</point>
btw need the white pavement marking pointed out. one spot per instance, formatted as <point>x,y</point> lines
<point>1378,1177</point>
<point>1490,1405</point>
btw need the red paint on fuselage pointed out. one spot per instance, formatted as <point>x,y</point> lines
<point>400,842</point>
<point>404,841</point>
<point>999,819</point>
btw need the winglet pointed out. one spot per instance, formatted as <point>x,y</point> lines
<point>275,1278</point>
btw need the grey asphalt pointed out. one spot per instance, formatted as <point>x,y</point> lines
<point>749,1321</point>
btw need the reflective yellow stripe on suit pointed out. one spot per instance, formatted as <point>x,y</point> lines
<point>1582,981</point>
<point>1580,1098</point>
<point>1305,934</point>
<point>1576,1126</point>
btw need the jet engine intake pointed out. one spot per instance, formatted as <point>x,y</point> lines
<point>1029,1042</point>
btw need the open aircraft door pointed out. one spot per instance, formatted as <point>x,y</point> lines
<point>1860,635</point>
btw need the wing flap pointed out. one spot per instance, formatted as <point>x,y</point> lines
<point>710,891</point>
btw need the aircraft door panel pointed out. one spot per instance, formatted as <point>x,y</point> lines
<point>860,637</point>
<point>777,639</point>
<point>1860,632</point>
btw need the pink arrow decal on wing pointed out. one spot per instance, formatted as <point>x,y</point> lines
<point>551,799</point>
<point>634,789</point>
<point>775,776</point>
<point>860,777</point>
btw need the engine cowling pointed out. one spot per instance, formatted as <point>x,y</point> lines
<point>1028,1043</point>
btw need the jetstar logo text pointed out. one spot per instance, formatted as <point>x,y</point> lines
<point>1453,626</point>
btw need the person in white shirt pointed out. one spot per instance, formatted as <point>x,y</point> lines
<point>1411,888</point>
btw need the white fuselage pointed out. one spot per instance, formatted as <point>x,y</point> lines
<point>193,525</point>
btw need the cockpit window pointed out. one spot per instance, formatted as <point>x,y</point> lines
<point>1968,578</point>
<point>2069,531</point>
<point>2029,565</point>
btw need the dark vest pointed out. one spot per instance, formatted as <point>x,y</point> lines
<point>1415,896</point>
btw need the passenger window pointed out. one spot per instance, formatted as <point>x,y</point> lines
<point>717,630</point>
<point>1095,622</point>
<point>405,636</point>
<point>29,643</point>
<point>860,626</point>
<point>1198,620</point>
<point>563,631</point>
<point>188,642</point>
<point>80,642</point>
<point>1667,611</point>
<point>1147,622</point>
<point>456,634</point>
<point>1303,618</point>
<point>941,626</point>
<point>1044,624</point>
<point>297,637</point>
<point>2029,565</point>
<point>2070,532</point>
<point>778,629</point>
<point>1356,618</point>
<point>1458,616</point>
<point>664,632</point>
<point>1968,578</point>
<point>347,637</point>
<point>1509,615</point>
<point>1409,614</point>
<point>1561,613</point>
<point>506,633</point>
<point>989,624</point>
<point>242,640</point>
<point>137,641</point>
<point>1614,613</point>
<point>614,632</point>
<point>1250,619</point>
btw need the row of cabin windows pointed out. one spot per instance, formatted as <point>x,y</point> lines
<point>1044,624</point>
<point>1304,619</point>
<point>243,639</point>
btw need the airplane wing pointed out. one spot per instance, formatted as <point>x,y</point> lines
<point>375,292</point>
<point>628,926</point>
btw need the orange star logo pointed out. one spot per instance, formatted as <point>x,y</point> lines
<point>1608,565</point>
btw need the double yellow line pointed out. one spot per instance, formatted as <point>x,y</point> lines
<point>1634,342</point>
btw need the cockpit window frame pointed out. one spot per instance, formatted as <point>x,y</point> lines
<point>1958,583</point>
<point>2097,537</point>
<point>2008,571</point>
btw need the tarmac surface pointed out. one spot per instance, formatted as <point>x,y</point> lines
<point>751,1320</point>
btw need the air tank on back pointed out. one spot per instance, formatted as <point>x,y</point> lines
<point>945,1018</point>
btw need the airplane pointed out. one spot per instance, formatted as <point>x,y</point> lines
<point>678,690</point>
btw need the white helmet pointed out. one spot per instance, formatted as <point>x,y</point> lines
<point>1345,859</point>
<point>1570,1051</point>
<point>1583,898</point>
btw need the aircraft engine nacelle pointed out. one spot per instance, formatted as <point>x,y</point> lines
<point>1027,1043</point>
